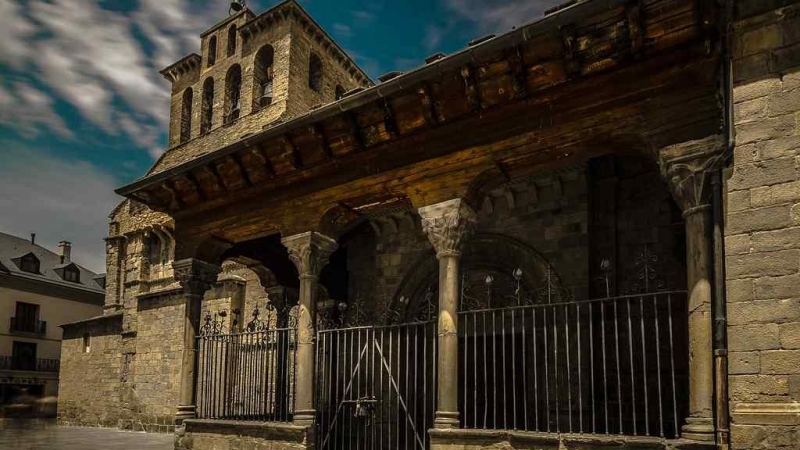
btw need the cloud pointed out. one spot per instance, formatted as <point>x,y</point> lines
<point>57,200</point>
<point>362,18</point>
<point>433,37</point>
<point>492,16</point>
<point>342,30</point>
<point>30,111</point>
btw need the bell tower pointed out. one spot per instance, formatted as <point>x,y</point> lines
<point>254,71</point>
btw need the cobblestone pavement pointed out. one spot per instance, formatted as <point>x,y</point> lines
<point>38,436</point>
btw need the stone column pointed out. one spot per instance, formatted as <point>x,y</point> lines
<point>309,252</point>
<point>448,225</point>
<point>195,277</point>
<point>686,167</point>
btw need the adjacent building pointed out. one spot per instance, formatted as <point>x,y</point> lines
<point>582,233</point>
<point>39,291</point>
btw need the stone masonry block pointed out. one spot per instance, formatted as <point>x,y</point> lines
<point>776,287</point>
<point>754,265</point>
<point>755,89</point>
<point>758,388</point>
<point>739,290</point>
<point>737,245</point>
<point>794,213</point>
<point>770,218</point>
<point>761,130</point>
<point>768,241</point>
<point>764,173</point>
<point>780,103</point>
<point>743,363</point>
<point>780,362</point>
<point>779,148</point>
<point>790,335</point>
<point>775,194</point>
<point>764,311</point>
<point>738,200</point>
<point>750,110</point>
<point>761,39</point>
<point>753,337</point>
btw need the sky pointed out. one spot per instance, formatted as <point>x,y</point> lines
<point>83,109</point>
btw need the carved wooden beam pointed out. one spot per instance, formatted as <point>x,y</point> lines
<point>471,88</point>
<point>355,131</point>
<point>262,156</point>
<point>388,119</point>
<point>176,201</point>
<point>237,161</point>
<point>518,76</point>
<point>192,180</point>
<point>295,160</point>
<point>635,18</point>
<point>428,105</point>
<point>570,41</point>
<point>212,169</point>
<point>319,132</point>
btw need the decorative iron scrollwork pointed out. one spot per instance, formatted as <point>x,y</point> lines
<point>497,290</point>
<point>257,323</point>
<point>214,326</point>
<point>647,276</point>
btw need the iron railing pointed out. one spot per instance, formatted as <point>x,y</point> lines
<point>40,364</point>
<point>246,375</point>
<point>28,326</point>
<point>376,386</point>
<point>611,365</point>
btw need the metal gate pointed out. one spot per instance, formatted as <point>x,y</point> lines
<point>377,386</point>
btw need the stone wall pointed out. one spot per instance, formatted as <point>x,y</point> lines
<point>217,434</point>
<point>90,388</point>
<point>763,228</point>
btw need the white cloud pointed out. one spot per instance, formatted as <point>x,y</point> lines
<point>342,30</point>
<point>433,37</point>
<point>30,111</point>
<point>57,200</point>
<point>493,16</point>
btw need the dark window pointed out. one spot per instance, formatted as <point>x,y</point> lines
<point>23,356</point>
<point>233,88</point>
<point>262,85</point>
<point>232,40</point>
<point>29,263</point>
<point>339,92</point>
<point>72,274</point>
<point>186,115</point>
<point>207,112</point>
<point>212,51</point>
<point>26,316</point>
<point>315,72</point>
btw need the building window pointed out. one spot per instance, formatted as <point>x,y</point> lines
<point>339,92</point>
<point>29,263</point>
<point>233,88</point>
<point>26,318</point>
<point>232,40</point>
<point>186,115</point>
<point>207,112</point>
<point>87,341</point>
<point>262,85</point>
<point>212,51</point>
<point>72,274</point>
<point>23,356</point>
<point>315,72</point>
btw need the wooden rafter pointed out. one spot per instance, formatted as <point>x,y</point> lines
<point>570,42</point>
<point>355,131</point>
<point>237,161</point>
<point>471,88</point>
<point>428,105</point>
<point>517,66</point>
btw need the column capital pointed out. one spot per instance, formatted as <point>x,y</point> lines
<point>448,225</point>
<point>687,169</point>
<point>309,252</point>
<point>195,276</point>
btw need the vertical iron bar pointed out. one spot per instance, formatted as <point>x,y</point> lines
<point>616,347</point>
<point>605,378</point>
<point>503,349</point>
<point>580,378</point>
<point>465,319</point>
<point>494,370</point>
<point>672,368</point>
<point>591,364</point>
<point>475,373</point>
<point>630,352</point>
<point>485,374</point>
<point>513,368</point>
<point>644,366</point>
<point>524,376</point>
<point>569,376</point>
<point>658,367</point>
<point>535,373</point>
<point>546,370</point>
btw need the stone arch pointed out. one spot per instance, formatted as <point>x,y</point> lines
<point>186,115</point>
<point>233,93</point>
<point>262,77</point>
<point>207,106</point>
<point>484,253</point>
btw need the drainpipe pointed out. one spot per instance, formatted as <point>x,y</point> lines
<point>719,307</point>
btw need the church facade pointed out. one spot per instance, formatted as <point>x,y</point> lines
<point>580,233</point>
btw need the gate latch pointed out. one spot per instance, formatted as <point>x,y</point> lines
<point>365,407</point>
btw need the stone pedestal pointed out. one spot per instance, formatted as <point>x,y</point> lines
<point>195,277</point>
<point>686,167</point>
<point>309,252</point>
<point>448,224</point>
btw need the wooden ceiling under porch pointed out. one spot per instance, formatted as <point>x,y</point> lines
<point>599,77</point>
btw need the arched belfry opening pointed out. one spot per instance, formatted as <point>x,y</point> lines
<point>262,77</point>
<point>233,93</point>
<point>207,107</point>
<point>186,114</point>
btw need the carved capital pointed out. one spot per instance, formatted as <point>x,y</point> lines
<point>687,169</point>
<point>195,276</point>
<point>309,252</point>
<point>448,225</point>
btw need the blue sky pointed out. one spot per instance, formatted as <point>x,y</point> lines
<point>83,109</point>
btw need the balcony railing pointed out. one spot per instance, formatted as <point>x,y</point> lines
<point>28,326</point>
<point>39,365</point>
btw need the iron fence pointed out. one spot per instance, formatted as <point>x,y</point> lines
<point>247,374</point>
<point>611,365</point>
<point>376,386</point>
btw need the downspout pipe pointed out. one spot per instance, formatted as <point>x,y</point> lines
<point>720,341</point>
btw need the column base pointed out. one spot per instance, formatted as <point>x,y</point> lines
<point>304,418</point>
<point>184,412</point>
<point>446,419</point>
<point>698,429</point>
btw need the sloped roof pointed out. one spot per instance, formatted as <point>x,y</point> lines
<point>12,247</point>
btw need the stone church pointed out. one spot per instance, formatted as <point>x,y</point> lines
<point>582,233</point>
